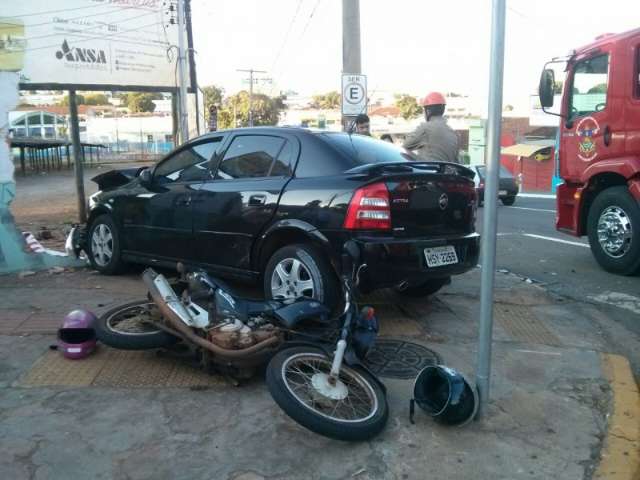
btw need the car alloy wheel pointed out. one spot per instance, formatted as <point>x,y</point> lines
<point>102,245</point>
<point>291,279</point>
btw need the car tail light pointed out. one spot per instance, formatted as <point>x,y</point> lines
<point>369,209</point>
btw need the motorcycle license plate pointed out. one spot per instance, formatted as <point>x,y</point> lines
<point>439,256</point>
<point>502,192</point>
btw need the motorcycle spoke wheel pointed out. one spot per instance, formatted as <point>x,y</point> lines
<point>133,326</point>
<point>135,320</point>
<point>351,399</point>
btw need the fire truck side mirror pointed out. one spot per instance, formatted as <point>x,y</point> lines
<point>546,88</point>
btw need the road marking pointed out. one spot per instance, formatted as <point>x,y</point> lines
<point>537,195</point>
<point>539,353</point>
<point>534,209</point>
<point>620,300</point>
<point>619,459</point>
<point>553,239</point>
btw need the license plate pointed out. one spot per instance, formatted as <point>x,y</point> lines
<point>439,256</point>
<point>502,192</point>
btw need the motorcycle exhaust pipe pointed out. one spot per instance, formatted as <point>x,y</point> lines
<point>170,298</point>
<point>180,324</point>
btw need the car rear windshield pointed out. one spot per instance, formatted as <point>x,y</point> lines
<point>363,150</point>
<point>504,173</point>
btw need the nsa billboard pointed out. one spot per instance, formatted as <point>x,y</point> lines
<point>99,44</point>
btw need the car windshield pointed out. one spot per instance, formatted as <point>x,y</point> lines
<point>504,173</point>
<point>363,150</point>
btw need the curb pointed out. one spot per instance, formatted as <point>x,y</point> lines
<point>620,456</point>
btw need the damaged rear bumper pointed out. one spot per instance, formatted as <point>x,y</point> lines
<point>393,261</point>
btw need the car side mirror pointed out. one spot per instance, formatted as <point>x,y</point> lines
<point>145,177</point>
<point>546,88</point>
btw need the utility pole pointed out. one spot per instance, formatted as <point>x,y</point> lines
<point>192,61</point>
<point>251,71</point>
<point>182,71</point>
<point>351,60</point>
<point>78,155</point>
<point>490,217</point>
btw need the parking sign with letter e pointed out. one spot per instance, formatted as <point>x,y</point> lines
<point>354,94</point>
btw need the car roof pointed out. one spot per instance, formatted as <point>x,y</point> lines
<point>257,130</point>
<point>271,130</point>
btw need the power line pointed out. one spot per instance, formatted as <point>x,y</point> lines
<point>81,32</point>
<point>114,35</point>
<point>309,20</point>
<point>284,42</point>
<point>304,31</point>
<point>518,13</point>
<point>31,25</point>
<point>51,11</point>
<point>286,36</point>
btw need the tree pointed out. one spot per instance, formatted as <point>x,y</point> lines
<point>557,87</point>
<point>96,99</point>
<point>65,100</point>
<point>600,88</point>
<point>140,102</point>
<point>327,101</point>
<point>212,96</point>
<point>235,110</point>
<point>508,108</point>
<point>408,106</point>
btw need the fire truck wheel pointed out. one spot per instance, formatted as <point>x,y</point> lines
<point>613,226</point>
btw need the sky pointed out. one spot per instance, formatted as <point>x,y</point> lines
<point>408,46</point>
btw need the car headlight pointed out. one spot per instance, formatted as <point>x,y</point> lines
<point>92,199</point>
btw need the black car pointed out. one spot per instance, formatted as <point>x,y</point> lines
<point>507,189</point>
<point>277,204</point>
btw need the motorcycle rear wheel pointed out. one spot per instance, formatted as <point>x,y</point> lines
<point>355,409</point>
<point>129,327</point>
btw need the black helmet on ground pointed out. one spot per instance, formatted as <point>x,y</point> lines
<point>444,394</point>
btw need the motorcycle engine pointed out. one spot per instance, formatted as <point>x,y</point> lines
<point>233,334</point>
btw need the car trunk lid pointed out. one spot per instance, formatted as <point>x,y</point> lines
<point>427,198</point>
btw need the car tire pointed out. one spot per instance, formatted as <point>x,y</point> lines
<point>508,201</point>
<point>424,290</point>
<point>314,278</point>
<point>612,209</point>
<point>103,246</point>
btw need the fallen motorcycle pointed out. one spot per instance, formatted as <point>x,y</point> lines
<point>315,370</point>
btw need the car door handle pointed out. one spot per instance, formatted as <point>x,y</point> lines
<point>257,200</point>
<point>606,136</point>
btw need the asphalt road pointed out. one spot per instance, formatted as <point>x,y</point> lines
<point>529,245</point>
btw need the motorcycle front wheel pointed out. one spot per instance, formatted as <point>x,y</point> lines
<point>354,408</point>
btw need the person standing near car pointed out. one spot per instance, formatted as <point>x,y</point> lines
<point>363,125</point>
<point>434,139</point>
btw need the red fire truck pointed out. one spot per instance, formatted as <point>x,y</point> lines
<point>599,147</point>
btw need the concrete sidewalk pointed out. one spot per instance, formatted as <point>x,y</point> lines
<point>556,399</point>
